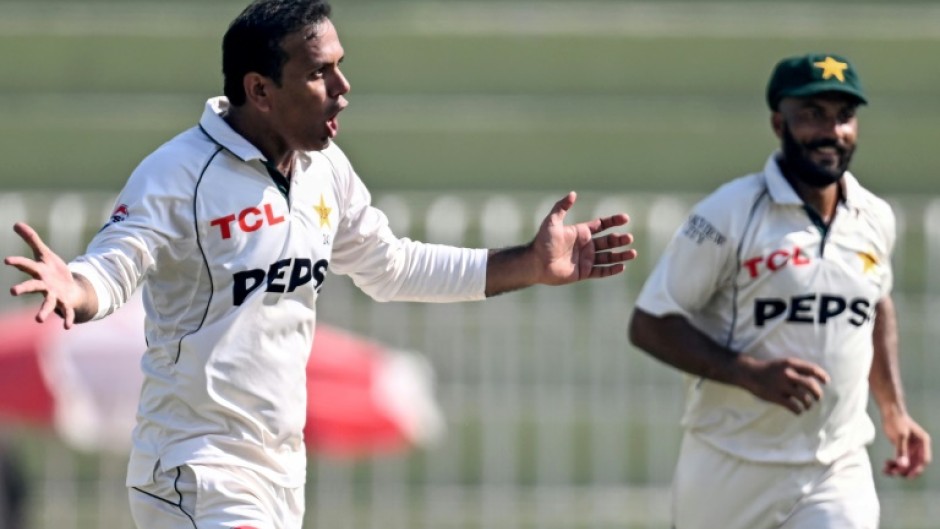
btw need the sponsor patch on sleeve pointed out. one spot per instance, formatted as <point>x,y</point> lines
<point>118,215</point>
<point>699,230</point>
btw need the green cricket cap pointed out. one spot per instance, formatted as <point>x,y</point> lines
<point>812,74</point>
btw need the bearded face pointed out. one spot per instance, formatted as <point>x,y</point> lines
<point>817,136</point>
<point>818,163</point>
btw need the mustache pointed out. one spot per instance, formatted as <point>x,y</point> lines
<point>839,147</point>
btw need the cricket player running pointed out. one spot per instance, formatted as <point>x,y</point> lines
<point>775,296</point>
<point>231,228</point>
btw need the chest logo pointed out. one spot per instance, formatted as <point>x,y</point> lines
<point>811,308</point>
<point>281,276</point>
<point>869,261</point>
<point>776,260</point>
<point>323,212</point>
<point>247,220</point>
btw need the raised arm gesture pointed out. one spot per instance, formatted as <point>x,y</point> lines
<point>561,254</point>
<point>69,295</point>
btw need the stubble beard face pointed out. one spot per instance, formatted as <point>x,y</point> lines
<point>799,160</point>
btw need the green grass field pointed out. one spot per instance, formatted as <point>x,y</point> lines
<point>444,98</point>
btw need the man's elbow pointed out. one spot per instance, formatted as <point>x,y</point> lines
<point>636,330</point>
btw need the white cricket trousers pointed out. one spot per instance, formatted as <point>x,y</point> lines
<point>214,497</point>
<point>712,489</point>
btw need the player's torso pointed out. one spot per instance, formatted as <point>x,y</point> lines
<point>242,332</point>
<point>806,290</point>
<point>792,287</point>
<point>257,241</point>
<point>799,292</point>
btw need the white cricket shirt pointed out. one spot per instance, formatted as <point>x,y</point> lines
<point>232,268</point>
<point>752,270</point>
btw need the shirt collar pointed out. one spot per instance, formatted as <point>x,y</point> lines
<point>221,133</point>
<point>782,192</point>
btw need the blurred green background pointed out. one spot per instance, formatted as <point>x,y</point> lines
<point>643,100</point>
<point>479,95</point>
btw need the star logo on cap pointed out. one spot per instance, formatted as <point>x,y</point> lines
<point>324,212</point>
<point>832,68</point>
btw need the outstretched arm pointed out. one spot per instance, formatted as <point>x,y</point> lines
<point>561,254</point>
<point>911,442</point>
<point>69,295</point>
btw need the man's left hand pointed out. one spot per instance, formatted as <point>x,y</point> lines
<point>911,446</point>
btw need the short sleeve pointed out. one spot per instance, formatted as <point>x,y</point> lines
<point>887,220</point>
<point>695,264</point>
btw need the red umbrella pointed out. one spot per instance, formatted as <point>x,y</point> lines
<point>363,398</point>
<point>25,394</point>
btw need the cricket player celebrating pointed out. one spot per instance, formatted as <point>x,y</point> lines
<point>776,297</point>
<point>231,228</point>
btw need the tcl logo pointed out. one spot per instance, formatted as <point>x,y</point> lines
<point>776,260</point>
<point>811,308</point>
<point>247,220</point>
<point>282,276</point>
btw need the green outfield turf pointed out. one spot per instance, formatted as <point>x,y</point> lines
<point>445,98</point>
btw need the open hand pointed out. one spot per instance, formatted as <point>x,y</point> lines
<point>571,253</point>
<point>50,277</point>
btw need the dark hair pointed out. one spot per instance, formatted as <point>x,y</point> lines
<point>253,40</point>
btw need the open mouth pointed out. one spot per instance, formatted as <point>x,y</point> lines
<point>332,126</point>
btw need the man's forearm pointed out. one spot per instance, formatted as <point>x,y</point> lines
<point>672,340</point>
<point>509,269</point>
<point>885,375</point>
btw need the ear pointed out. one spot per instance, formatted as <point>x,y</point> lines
<point>257,90</point>
<point>776,122</point>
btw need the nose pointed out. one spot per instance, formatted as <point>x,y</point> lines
<point>840,133</point>
<point>836,127</point>
<point>828,131</point>
<point>340,85</point>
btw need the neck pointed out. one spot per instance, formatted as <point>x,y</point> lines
<point>256,131</point>
<point>822,199</point>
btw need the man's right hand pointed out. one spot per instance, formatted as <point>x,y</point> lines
<point>790,382</point>
<point>70,296</point>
